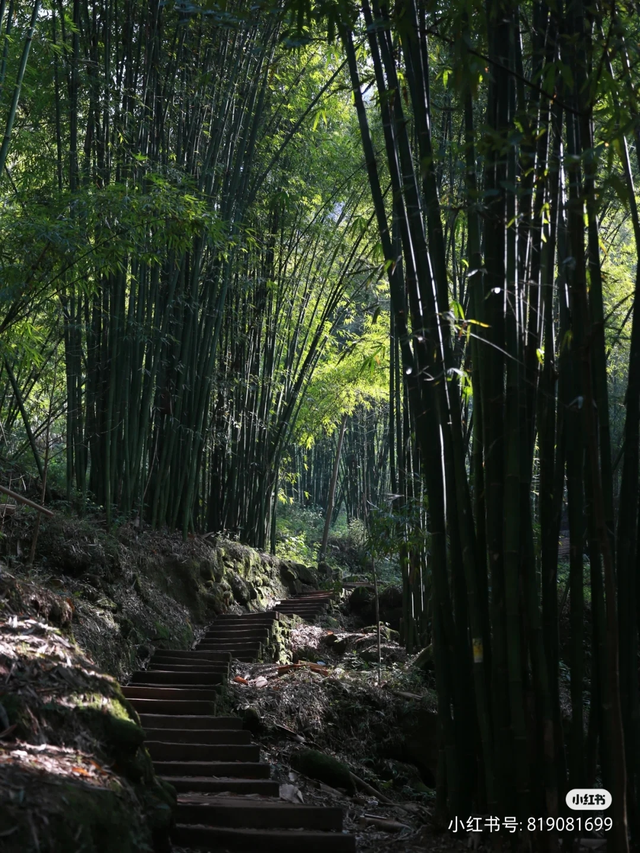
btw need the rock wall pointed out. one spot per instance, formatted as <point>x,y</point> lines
<point>74,772</point>
<point>123,595</point>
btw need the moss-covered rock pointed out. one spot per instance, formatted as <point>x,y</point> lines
<point>242,591</point>
<point>386,632</point>
<point>221,595</point>
<point>362,603</point>
<point>209,569</point>
<point>325,573</point>
<point>124,734</point>
<point>391,606</point>
<point>325,768</point>
<point>87,782</point>
<point>306,575</point>
<point>297,577</point>
<point>252,721</point>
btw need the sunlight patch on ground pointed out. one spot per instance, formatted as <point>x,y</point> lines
<point>55,761</point>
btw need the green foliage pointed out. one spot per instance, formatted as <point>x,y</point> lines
<point>353,372</point>
<point>389,528</point>
<point>299,532</point>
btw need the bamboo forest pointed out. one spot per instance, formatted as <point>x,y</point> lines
<point>319,426</point>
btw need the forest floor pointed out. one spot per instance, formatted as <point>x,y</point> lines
<point>331,701</point>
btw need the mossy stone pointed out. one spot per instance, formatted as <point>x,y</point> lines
<point>306,575</point>
<point>361,602</point>
<point>158,808</point>
<point>125,734</point>
<point>252,720</point>
<point>207,570</point>
<point>170,793</point>
<point>325,768</point>
<point>240,588</point>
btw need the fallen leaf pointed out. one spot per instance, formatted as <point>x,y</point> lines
<point>291,793</point>
<point>240,680</point>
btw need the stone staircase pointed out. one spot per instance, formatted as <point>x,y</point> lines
<point>226,798</point>
<point>308,606</point>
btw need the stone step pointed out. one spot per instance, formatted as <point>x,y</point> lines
<point>262,616</point>
<point>247,655</point>
<point>163,751</point>
<point>191,654</point>
<point>197,665</point>
<point>190,721</point>
<point>303,613</point>
<point>300,608</point>
<point>168,735</point>
<point>157,676</point>
<point>243,649</point>
<point>202,755</point>
<point>236,633</point>
<point>263,840</point>
<point>181,693</point>
<point>305,596</point>
<point>189,666</point>
<point>312,593</point>
<point>187,707</point>
<point>221,784</point>
<point>239,769</point>
<point>265,814</point>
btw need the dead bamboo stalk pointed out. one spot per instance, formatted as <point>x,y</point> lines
<point>23,500</point>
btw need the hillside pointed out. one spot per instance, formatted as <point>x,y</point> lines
<point>96,606</point>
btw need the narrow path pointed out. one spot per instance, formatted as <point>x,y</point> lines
<point>226,798</point>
